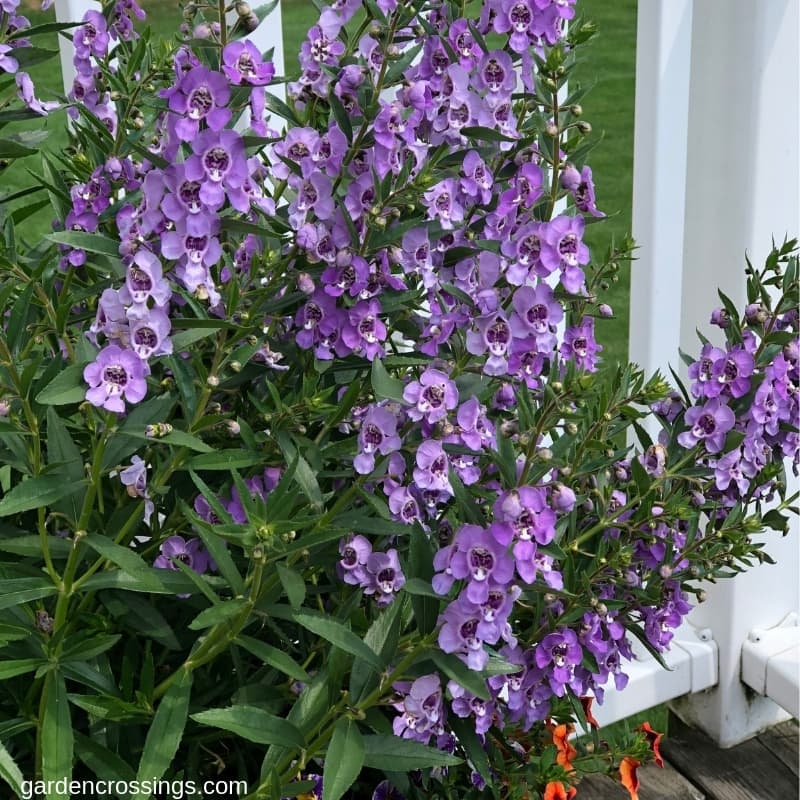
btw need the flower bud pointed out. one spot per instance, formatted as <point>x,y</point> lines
<point>243,9</point>
<point>576,110</point>
<point>563,498</point>
<point>720,318</point>
<point>583,127</point>
<point>212,381</point>
<point>250,22</point>
<point>571,428</point>
<point>605,310</point>
<point>551,129</point>
<point>5,408</point>
<point>305,283</point>
<point>570,178</point>
<point>756,314</point>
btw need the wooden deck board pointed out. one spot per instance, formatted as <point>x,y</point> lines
<point>782,741</point>
<point>749,771</point>
<point>656,784</point>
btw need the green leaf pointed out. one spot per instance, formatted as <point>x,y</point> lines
<point>19,666</point>
<point>329,629</point>
<point>457,670</point>
<point>104,763</point>
<point>394,754</point>
<point>384,385</point>
<point>219,552</point>
<point>10,772</point>
<point>468,739</point>
<point>79,648</point>
<point>426,608</point>
<point>22,590</point>
<point>274,657</point>
<point>91,242</point>
<point>221,612</point>
<point>381,637</point>
<point>56,734</point>
<point>293,584</point>
<point>31,545</point>
<point>344,759</point>
<point>166,730</point>
<point>38,492</point>
<point>253,724</point>
<point>224,460</point>
<point>420,588</point>
<point>304,475</point>
<point>113,709</point>
<point>127,560</point>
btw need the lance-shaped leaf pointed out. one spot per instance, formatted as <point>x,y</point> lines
<point>253,724</point>
<point>344,759</point>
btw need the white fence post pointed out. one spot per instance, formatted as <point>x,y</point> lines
<point>737,150</point>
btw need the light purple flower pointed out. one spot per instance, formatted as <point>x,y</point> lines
<point>421,709</point>
<point>242,63</point>
<point>385,576</point>
<point>114,375</point>
<point>432,396</point>
<point>190,552</point>
<point>709,424</point>
<point>351,567</point>
<point>378,434</point>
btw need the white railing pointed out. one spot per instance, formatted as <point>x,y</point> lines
<point>716,175</point>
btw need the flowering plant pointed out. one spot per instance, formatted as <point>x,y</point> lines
<point>310,474</point>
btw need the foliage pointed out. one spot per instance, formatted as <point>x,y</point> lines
<point>309,476</point>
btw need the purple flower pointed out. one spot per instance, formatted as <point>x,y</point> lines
<point>26,94</point>
<point>114,375</point>
<point>477,557</point>
<point>354,551</point>
<point>149,334</point>
<point>580,345</point>
<point>464,632</point>
<point>144,281</point>
<point>385,791</point>
<point>190,552</point>
<point>536,312</point>
<point>378,434</point>
<point>708,424</point>
<point>242,63</point>
<point>431,472</point>
<point>385,576</point>
<point>581,187</point>
<point>465,704</point>
<point>701,372</point>
<point>564,235</point>
<point>421,709</point>
<point>7,63</point>
<point>200,95</point>
<point>559,653</point>
<point>432,396</point>
<point>493,334</point>
<point>135,478</point>
<point>732,372</point>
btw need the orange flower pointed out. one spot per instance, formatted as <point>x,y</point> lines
<point>586,702</point>
<point>628,776</point>
<point>566,751</point>
<point>555,791</point>
<point>654,740</point>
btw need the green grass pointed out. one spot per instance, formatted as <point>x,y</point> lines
<point>608,64</point>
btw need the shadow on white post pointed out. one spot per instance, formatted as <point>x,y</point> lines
<point>742,188</point>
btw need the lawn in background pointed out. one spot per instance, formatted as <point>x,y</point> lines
<point>607,64</point>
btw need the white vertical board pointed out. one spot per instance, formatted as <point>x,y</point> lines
<point>737,153</point>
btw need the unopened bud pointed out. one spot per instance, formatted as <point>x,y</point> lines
<point>576,110</point>
<point>551,129</point>
<point>583,127</point>
<point>212,381</point>
<point>250,22</point>
<point>243,9</point>
<point>605,310</point>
